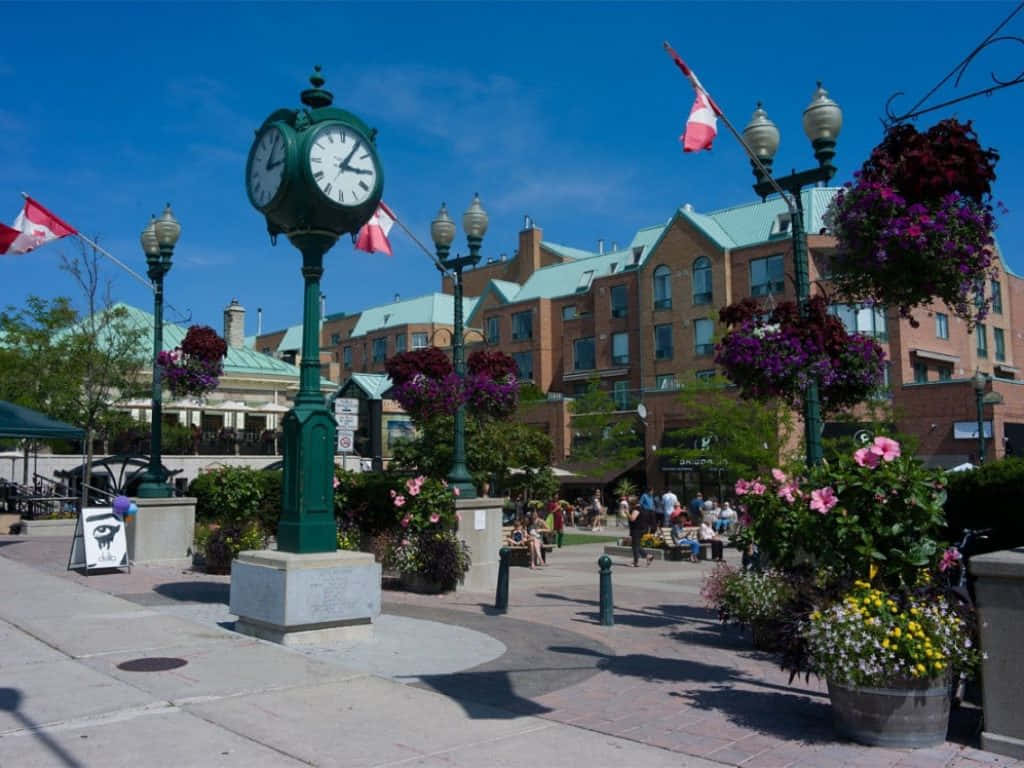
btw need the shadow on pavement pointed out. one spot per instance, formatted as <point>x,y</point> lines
<point>779,710</point>
<point>10,701</point>
<point>195,591</point>
<point>484,695</point>
<point>669,614</point>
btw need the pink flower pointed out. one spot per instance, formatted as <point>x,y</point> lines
<point>779,475</point>
<point>866,458</point>
<point>406,520</point>
<point>405,542</point>
<point>434,517</point>
<point>823,499</point>
<point>950,558</point>
<point>399,501</point>
<point>886,447</point>
<point>458,516</point>
<point>393,493</point>
<point>757,488</point>
<point>742,487</point>
<point>337,482</point>
<point>413,486</point>
<point>789,492</point>
<point>456,491</point>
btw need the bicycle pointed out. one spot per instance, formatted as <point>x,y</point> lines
<point>962,588</point>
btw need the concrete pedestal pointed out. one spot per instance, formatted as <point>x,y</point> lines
<point>1000,595</point>
<point>162,532</point>
<point>481,528</point>
<point>295,599</point>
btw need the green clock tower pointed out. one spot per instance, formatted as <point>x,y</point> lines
<point>314,174</point>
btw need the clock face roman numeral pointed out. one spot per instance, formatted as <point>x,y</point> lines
<point>342,165</point>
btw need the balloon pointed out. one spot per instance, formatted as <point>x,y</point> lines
<point>133,510</point>
<point>121,504</point>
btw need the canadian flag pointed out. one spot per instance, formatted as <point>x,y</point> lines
<point>34,226</point>
<point>373,237</point>
<point>702,127</point>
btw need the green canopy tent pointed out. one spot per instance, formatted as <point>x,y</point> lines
<point>18,421</point>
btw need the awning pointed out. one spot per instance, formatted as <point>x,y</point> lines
<point>596,473</point>
<point>942,357</point>
<point>18,421</point>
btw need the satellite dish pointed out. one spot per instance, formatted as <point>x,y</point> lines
<point>641,410</point>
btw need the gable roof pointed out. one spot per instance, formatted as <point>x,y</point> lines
<point>373,385</point>
<point>436,308</point>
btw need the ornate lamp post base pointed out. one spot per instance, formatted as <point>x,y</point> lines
<point>307,518</point>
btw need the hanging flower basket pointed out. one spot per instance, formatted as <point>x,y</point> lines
<point>916,223</point>
<point>776,356</point>
<point>194,368</point>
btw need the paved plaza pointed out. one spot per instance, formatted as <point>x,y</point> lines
<point>122,669</point>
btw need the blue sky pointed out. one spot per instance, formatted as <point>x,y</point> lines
<point>569,113</point>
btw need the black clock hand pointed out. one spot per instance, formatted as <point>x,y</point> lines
<point>272,166</point>
<point>343,166</point>
<point>359,170</point>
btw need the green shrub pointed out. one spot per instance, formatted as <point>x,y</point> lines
<point>223,545</point>
<point>983,498</point>
<point>236,496</point>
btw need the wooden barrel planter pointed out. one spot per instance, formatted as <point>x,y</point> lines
<point>909,715</point>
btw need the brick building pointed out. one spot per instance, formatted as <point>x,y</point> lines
<point>643,321</point>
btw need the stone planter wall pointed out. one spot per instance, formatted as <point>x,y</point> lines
<point>64,527</point>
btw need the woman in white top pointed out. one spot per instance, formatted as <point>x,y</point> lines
<point>726,517</point>
<point>707,534</point>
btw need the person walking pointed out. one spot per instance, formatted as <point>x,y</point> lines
<point>697,508</point>
<point>640,521</point>
<point>669,501</point>
<point>557,521</point>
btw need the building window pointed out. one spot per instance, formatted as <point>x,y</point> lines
<point>419,340</point>
<point>1000,343</point>
<point>706,375</point>
<point>493,330</point>
<point>666,381</point>
<point>620,348</point>
<point>584,283</point>
<point>945,372</point>
<point>522,325</point>
<point>884,390</point>
<point>346,357</point>
<point>702,330</point>
<point>982,335</point>
<point>920,373</point>
<point>941,326</point>
<point>766,276</point>
<point>524,362</point>
<point>862,318</point>
<point>335,339</point>
<point>620,393</point>
<point>702,280</point>
<point>997,297</point>
<point>569,312</point>
<point>380,350</point>
<point>400,343</point>
<point>620,307</point>
<point>663,342</point>
<point>662,288</point>
<point>267,350</point>
<point>583,354</point>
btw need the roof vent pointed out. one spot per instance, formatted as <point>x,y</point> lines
<point>527,222</point>
<point>688,207</point>
<point>600,246</point>
<point>398,297</point>
<point>615,246</point>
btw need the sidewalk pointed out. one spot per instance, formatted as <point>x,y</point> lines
<point>445,682</point>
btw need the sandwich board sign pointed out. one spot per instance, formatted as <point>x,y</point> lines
<point>103,541</point>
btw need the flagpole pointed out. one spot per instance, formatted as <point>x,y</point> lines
<point>739,137</point>
<point>107,253</point>
<point>416,240</point>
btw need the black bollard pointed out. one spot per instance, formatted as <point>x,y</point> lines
<point>604,563</point>
<point>501,595</point>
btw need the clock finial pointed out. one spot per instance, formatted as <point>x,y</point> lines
<point>316,96</point>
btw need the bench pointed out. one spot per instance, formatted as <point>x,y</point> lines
<point>519,553</point>
<point>672,552</point>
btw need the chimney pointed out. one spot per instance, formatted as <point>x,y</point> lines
<point>529,250</point>
<point>259,321</point>
<point>527,222</point>
<point>600,246</point>
<point>615,246</point>
<point>234,324</point>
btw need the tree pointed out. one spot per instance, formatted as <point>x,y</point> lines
<point>602,437</point>
<point>744,436</point>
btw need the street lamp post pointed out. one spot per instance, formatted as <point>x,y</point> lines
<point>822,121</point>
<point>442,231</point>
<point>158,239</point>
<point>979,400</point>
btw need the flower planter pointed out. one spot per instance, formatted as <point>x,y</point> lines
<point>766,636</point>
<point>910,714</point>
<point>417,582</point>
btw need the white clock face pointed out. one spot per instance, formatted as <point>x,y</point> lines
<point>342,165</point>
<point>266,166</point>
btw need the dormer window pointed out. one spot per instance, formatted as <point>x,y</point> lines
<point>584,283</point>
<point>781,225</point>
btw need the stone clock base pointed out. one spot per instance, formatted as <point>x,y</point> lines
<point>295,599</point>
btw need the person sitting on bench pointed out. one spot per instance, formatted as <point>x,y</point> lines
<point>679,538</point>
<point>707,534</point>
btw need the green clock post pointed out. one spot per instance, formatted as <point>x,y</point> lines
<point>314,174</point>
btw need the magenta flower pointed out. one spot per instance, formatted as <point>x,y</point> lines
<point>757,488</point>
<point>779,475</point>
<point>413,486</point>
<point>742,487</point>
<point>399,501</point>
<point>434,517</point>
<point>789,492</point>
<point>405,521</point>
<point>950,558</point>
<point>886,447</point>
<point>823,499</point>
<point>865,457</point>
<point>456,491</point>
<point>393,493</point>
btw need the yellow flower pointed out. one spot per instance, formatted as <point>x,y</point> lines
<point>921,668</point>
<point>866,601</point>
<point>896,632</point>
<point>816,616</point>
<point>885,643</point>
<point>939,666</point>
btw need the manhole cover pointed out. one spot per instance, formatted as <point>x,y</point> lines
<point>152,664</point>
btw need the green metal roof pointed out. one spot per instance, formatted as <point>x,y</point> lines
<point>374,385</point>
<point>292,339</point>
<point>436,308</point>
<point>240,361</point>
<point>751,223</point>
<point>506,289</point>
<point>566,252</point>
<point>565,279</point>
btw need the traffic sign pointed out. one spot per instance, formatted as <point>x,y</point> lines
<point>347,421</point>
<point>346,405</point>
<point>346,440</point>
